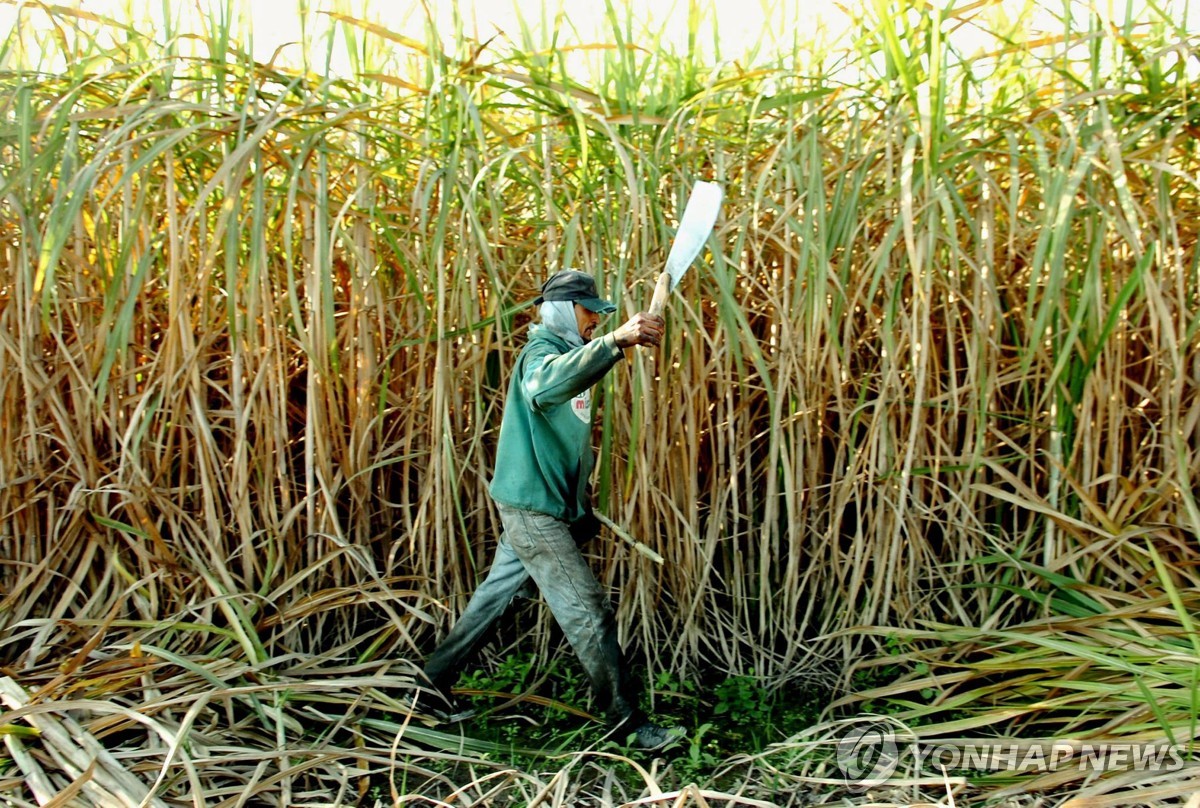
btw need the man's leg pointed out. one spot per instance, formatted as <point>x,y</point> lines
<point>545,547</point>
<point>489,602</point>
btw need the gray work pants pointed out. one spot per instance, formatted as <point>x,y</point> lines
<point>537,545</point>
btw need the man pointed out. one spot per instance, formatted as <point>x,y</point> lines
<point>540,487</point>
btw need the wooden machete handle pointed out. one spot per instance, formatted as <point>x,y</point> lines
<point>659,301</point>
<point>661,290</point>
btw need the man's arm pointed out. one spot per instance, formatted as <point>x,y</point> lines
<point>552,379</point>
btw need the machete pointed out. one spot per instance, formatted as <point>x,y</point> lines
<point>699,216</point>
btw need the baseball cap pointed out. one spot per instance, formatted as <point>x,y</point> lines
<point>576,287</point>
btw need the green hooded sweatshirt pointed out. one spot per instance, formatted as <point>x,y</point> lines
<point>544,457</point>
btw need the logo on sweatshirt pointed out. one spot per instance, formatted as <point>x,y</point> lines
<point>581,405</point>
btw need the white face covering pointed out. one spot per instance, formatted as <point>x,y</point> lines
<point>559,317</point>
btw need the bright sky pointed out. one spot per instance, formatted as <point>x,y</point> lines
<point>276,23</point>
<point>739,21</point>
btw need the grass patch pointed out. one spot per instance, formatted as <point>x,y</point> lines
<point>524,707</point>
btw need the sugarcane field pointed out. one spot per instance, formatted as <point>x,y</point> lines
<point>558,404</point>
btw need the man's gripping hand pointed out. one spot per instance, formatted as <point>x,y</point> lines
<point>640,329</point>
<point>585,528</point>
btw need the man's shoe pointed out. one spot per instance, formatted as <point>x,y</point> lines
<point>455,713</point>
<point>440,707</point>
<point>650,737</point>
